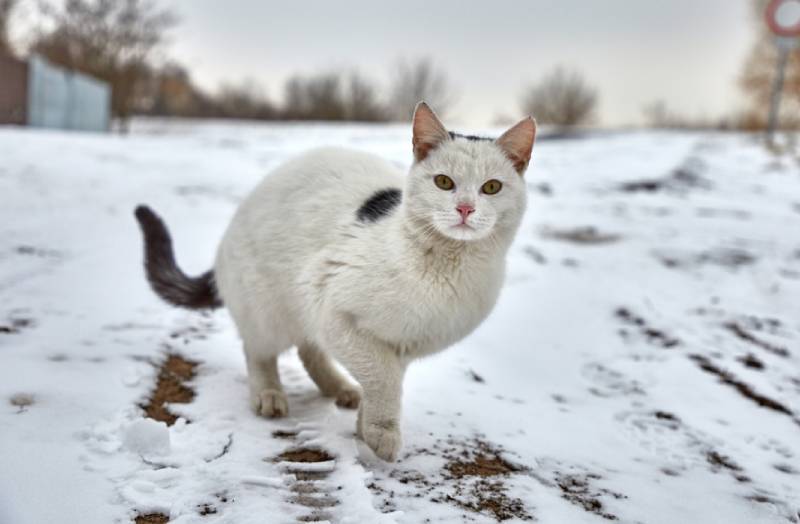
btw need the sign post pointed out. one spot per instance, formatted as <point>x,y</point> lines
<point>783,19</point>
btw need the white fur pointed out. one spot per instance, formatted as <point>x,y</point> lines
<point>296,268</point>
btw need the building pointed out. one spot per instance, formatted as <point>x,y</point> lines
<point>39,94</point>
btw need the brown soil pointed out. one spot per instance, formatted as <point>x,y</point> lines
<point>171,388</point>
<point>578,490</point>
<point>751,361</point>
<point>489,497</point>
<point>305,455</point>
<point>475,377</point>
<point>483,465</point>
<point>309,501</point>
<point>152,518</point>
<point>22,401</point>
<point>588,235</point>
<point>721,461</point>
<point>284,434</point>
<point>474,478</point>
<point>742,334</point>
<point>729,379</point>
<point>654,336</point>
<point>16,325</point>
<point>316,516</point>
<point>312,495</point>
<point>679,181</point>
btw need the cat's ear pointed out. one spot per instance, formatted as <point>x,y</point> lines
<point>517,143</point>
<point>428,131</point>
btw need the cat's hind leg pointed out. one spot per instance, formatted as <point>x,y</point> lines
<point>267,397</point>
<point>328,378</point>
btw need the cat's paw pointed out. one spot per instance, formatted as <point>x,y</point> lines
<point>349,397</point>
<point>270,403</point>
<point>383,438</point>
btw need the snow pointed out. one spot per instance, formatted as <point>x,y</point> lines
<point>588,377</point>
<point>147,437</point>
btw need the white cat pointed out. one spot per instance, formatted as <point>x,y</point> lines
<point>342,255</point>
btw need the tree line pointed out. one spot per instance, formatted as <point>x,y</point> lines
<point>117,41</point>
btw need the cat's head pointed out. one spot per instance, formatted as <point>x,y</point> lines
<point>466,187</point>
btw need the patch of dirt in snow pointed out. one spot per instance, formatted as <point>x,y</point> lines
<point>744,389</point>
<point>587,235</point>
<point>16,323</point>
<point>171,387</point>
<point>305,455</point>
<point>22,401</point>
<point>743,334</point>
<point>282,433</point>
<point>578,489</point>
<point>653,336</point>
<point>680,180</point>
<point>199,330</point>
<point>474,477</point>
<point>727,257</point>
<point>720,462</point>
<point>152,518</point>
<point>38,252</point>
<point>310,467</point>
<point>751,361</point>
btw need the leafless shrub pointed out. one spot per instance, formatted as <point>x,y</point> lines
<point>362,101</point>
<point>315,97</point>
<point>245,100</point>
<point>332,96</point>
<point>562,98</point>
<point>419,80</point>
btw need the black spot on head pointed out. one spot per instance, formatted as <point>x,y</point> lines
<point>471,138</point>
<point>379,205</point>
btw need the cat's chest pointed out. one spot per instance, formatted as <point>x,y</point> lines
<point>431,311</point>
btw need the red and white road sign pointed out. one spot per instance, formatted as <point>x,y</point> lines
<point>783,17</point>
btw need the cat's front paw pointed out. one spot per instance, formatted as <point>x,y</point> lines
<point>383,438</point>
<point>270,403</point>
<point>349,398</point>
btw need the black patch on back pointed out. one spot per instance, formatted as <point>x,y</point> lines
<point>379,205</point>
<point>472,138</point>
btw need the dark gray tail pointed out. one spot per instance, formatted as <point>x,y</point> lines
<point>164,275</point>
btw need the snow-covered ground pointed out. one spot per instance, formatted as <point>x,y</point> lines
<point>642,364</point>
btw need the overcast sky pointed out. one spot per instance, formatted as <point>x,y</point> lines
<point>686,52</point>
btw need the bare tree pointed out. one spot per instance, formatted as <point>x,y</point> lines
<point>246,100</point>
<point>362,101</point>
<point>109,39</point>
<point>563,98</point>
<point>658,115</point>
<point>315,97</point>
<point>419,80</point>
<point>6,7</point>
<point>333,96</point>
<point>758,76</point>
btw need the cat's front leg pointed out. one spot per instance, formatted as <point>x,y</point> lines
<point>379,414</point>
<point>379,370</point>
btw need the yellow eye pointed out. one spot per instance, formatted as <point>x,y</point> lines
<point>491,187</point>
<point>444,182</point>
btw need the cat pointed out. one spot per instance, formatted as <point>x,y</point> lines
<point>340,254</point>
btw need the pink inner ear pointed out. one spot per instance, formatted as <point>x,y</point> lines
<point>428,131</point>
<point>517,143</point>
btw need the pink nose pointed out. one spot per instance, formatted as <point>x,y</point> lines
<point>464,210</point>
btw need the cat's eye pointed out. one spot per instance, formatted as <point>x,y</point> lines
<point>444,182</point>
<point>491,187</point>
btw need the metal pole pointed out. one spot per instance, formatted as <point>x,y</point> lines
<point>777,89</point>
